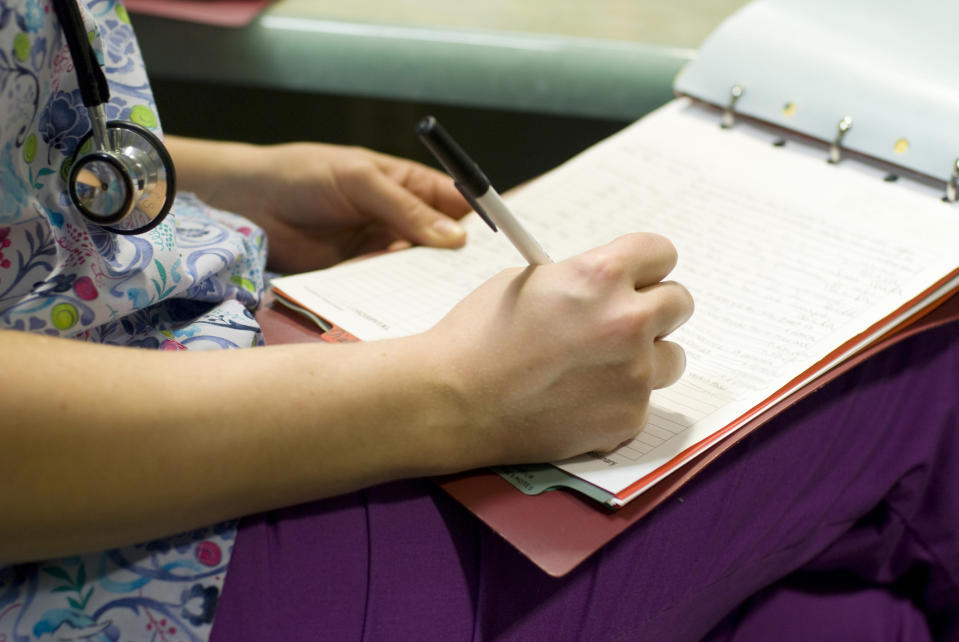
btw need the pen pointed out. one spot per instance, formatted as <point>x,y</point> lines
<point>475,187</point>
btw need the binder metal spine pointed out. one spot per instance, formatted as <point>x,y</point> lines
<point>952,185</point>
<point>729,115</point>
<point>835,149</point>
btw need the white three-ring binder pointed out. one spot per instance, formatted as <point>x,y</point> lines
<point>880,78</point>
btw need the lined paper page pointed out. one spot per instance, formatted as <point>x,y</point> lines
<point>787,258</point>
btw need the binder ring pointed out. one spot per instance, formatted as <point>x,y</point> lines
<point>952,185</point>
<point>729,117</point>
<point>844,126</point>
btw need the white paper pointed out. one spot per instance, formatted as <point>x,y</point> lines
<point>786,256</point>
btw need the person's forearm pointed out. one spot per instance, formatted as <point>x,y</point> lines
<point>104,446</point>
<point>201,165</point>
<point>163,442</point>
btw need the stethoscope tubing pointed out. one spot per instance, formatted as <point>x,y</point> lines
<point>94,88</point>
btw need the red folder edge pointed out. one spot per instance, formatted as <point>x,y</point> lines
<point>222,13</point>
<point>558,530</point>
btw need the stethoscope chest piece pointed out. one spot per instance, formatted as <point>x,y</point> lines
<point>122,177</point>
<point>126,183</point>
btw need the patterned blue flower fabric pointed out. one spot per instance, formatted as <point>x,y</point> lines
<point>190,283</point>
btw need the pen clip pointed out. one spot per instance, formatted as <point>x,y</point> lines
<point>475,205</point>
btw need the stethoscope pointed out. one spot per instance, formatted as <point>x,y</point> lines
<point>122,177</point>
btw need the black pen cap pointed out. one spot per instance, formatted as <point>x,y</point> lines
<point>460,166</point>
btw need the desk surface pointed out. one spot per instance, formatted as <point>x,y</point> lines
<point>608,59</point>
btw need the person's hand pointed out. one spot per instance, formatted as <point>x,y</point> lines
<point>559,360</point>
<point>320,204</point>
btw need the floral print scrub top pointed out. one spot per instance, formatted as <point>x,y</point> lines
<point>188,284</point>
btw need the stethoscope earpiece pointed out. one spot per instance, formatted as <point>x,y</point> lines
<point>122,177</point>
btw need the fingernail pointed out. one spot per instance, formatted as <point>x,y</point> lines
<point>448,229</point>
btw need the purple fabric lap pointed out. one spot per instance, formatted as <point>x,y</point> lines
<point>838,516</point>
<point>820,612</point>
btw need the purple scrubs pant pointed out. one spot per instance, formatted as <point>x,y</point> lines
<point>838,520</point>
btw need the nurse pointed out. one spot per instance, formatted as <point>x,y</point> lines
<point>108,451</point>
<point>125,469</point>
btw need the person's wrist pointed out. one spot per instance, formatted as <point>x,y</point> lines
<point>234,180</point>
<point>449,420</point>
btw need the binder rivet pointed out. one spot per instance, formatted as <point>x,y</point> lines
<point>901,146</point>
<point>952,186</point>
<point>729,117</point>
<point>843,128</point>
<point>789,108</point>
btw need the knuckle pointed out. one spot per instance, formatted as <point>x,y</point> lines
<point>631,324</point>
<point>407,213</point>
<point>678,298</point>
<point>355,170</point>
<point>642,376</point>
<point>600,266</point>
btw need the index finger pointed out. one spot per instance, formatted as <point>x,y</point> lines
<point>434,187</point>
